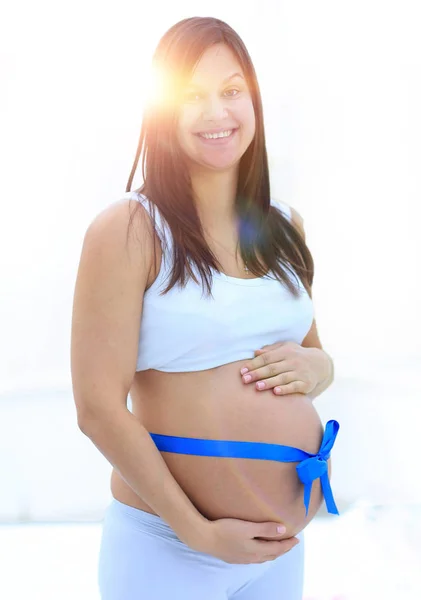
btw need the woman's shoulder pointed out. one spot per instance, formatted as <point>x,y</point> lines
<point>285,208</point>
<point>135,196</point>
<point>151,209</point>
<point>291,213</point>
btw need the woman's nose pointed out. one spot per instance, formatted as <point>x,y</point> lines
<point>214,109</point>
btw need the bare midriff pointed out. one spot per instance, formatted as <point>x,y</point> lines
<point>216,404</point>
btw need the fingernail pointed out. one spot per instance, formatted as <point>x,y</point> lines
<point>247,378</point>
<point>244,370</point>
<point>281,529</point>
<point>260,385</point>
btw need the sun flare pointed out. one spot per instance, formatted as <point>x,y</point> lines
<point>160,88</point>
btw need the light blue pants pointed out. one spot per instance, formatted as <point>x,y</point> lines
<point>141,558</point>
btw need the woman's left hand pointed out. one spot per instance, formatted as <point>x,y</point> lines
<point>287,368</point>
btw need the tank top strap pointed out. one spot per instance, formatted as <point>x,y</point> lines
<point>284,208</point>
<point>162,228</point>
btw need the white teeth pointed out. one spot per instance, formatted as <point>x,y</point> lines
<point>213,136</point>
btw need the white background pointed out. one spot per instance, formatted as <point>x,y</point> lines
<point>341,88</point>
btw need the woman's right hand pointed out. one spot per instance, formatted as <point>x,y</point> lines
<point>234,541</point>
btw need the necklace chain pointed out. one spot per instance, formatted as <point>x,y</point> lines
<point>245,268</point>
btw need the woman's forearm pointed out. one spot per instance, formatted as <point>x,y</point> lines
<point>127,445</point>
<point>327,381</point>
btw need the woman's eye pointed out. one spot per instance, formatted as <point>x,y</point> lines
<point>196,96</point>
<point>232,92</point>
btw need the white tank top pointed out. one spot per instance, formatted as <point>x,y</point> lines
<point>186,330</point>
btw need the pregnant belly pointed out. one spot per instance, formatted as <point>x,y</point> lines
<point>215,404</point>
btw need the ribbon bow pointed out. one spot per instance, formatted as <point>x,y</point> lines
<point>315,467</point>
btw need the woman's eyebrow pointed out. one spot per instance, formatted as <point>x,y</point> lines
<point>232,77</point>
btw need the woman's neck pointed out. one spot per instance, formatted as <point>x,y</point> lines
<point>214,194</point>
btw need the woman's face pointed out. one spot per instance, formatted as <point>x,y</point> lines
<point>216,101</point>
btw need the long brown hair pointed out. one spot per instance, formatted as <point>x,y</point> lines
<point>262,228</point>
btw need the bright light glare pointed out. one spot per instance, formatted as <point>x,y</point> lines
<point>156,88</point>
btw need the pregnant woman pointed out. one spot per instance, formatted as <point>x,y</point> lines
<point>193,295</point>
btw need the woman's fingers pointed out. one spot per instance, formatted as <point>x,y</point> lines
<point>268,377</point>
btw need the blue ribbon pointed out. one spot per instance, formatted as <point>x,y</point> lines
<point>315,466</point>
<point>310,467</point>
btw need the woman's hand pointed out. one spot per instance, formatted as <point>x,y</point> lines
<point>287,368</point>
<point>243,542</point>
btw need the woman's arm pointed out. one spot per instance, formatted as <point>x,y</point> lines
<point>312,339</point>
<point>111,280</point>
<point>127,445</point>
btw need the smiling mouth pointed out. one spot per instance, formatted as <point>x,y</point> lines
<point>218,135</point>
